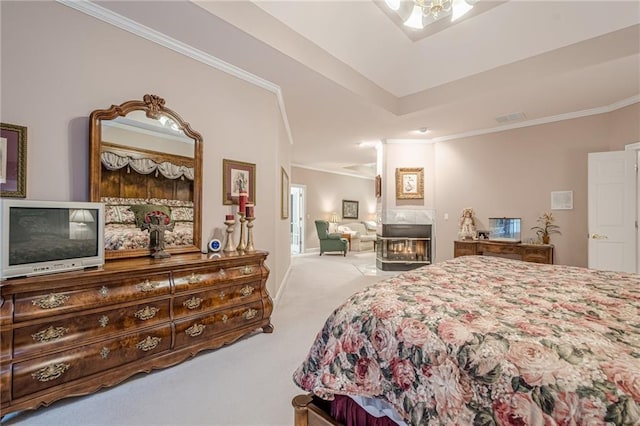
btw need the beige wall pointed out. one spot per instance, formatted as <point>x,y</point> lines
<point>512,174</point>
<point>58,65</point>
<point>324,195</point>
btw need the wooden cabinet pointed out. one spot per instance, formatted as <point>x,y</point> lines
<point>72,333</point>
<point>538,253</point>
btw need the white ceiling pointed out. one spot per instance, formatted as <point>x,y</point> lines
<point>349,74</point>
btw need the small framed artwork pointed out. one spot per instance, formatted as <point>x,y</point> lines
<point>13,161</point>
<point>284,194</point>
<point>237,177</point>
<point>410,183</point>
<point>378,186</point>
<point>561,200</point>
<point>483,235</point>
<point>349,209</point>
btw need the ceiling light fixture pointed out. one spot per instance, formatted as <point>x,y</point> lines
<point>418,14</point>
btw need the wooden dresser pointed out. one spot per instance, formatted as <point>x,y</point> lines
<point>538,253</point>
<point>73,333</point>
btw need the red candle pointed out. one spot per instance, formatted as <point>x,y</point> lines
<point>242,200</point>
<point>228,217</point>
<point>249,210</point>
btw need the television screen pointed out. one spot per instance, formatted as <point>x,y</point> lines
<point>46,234</point>
<point>42,237</point>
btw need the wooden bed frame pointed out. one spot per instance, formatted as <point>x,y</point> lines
<point>310,410</point>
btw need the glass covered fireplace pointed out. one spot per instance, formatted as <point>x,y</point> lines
<point>403,247</point>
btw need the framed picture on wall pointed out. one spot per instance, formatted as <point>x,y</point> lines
<point>238,176</point>
<point>13,161</point>
<point>378,186</point>
<point>284,194</point>
<point>349,209</point>
<point>410,183</point>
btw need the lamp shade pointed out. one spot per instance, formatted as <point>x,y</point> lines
<point>81,216</point>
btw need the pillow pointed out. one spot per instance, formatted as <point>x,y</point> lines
<point>119,214</point>
<point>182,214</point>
<point>370,225</point>
<point>140,211</point>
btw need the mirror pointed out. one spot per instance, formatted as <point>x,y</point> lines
<point>145,159</point>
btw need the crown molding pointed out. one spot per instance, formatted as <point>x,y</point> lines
<point>89,8</point>
<point>545,120</point>
<point>333,172</point>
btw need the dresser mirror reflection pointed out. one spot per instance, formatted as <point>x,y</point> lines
<point>145,159</point>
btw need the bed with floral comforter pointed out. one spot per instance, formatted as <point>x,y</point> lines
<point>481,340</point>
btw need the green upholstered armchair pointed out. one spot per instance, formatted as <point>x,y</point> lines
<point>330,242</point>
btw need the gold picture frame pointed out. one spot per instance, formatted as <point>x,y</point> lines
<point>13,161</point>
<point>410,183</point>
<point>237,176</point>
<point>378,186</point>
<point>284,194</point>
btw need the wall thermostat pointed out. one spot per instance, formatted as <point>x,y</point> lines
<point>215,245</point>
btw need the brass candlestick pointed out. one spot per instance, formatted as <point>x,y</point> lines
<point>228,248</point>
<point>241,244</point>
<point>250,248</point>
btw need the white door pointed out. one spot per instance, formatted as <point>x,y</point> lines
<point>612,210</point>
<point>297,219</point>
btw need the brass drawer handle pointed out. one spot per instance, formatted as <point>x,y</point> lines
<point>192,303</point>
<point>249,314</point>
<point>104,353</point>
<point>222,295</point>
<point>50,334</point>
<point>147,313</point>
<point>194,278</point>
<point>225,318</point>
<point>147,286</point>
<point>246,291</point>
<point>104,291</point>
<point>149,343</point>
<point>247,270</point>
<point>51,301</point>
<point>222,273</point>
<point>50,372</point>
<point>195,330</point>
<point>103,321</point>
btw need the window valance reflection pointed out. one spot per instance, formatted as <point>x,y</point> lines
<point>145,166</point>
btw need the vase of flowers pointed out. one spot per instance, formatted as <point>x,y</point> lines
<point>546,227</point>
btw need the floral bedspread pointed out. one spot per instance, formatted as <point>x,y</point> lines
<point>482,340</point>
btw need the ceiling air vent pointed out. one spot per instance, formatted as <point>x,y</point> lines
<point>509,118</point>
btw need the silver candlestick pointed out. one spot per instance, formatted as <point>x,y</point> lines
<point>228,248</point>
<point>241,244</point>
<point>250,248</point>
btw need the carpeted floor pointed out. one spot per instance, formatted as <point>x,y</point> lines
<point>247,383</point>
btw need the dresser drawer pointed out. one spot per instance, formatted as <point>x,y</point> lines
<point>191,331</point>
<point>221,297</point>
<point>5,383</point>
<point>463,249</point>
<point>499,248</point>
<point>45,304</point>
<point>63,367</point>
<point>57,334</point>
<point>206,277</point>
<point>542,254</point>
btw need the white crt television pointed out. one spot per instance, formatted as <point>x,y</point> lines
<point>43,237</point>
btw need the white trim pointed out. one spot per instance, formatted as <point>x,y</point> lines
<point>317,169</point>
<point>283,285</point>
<point>545,120</point>
<point>632,147</point>
<point>122,22</point>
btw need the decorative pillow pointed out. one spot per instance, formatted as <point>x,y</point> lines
<point>119,214</point>
<point>370,225</point>
<point>141,211</point>
<point>182,214</point>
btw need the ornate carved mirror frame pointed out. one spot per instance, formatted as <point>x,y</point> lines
<point>153,108</point>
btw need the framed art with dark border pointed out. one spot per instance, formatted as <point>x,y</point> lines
<point>284,194</point>
<point>410,183</point>
<point>349,209</point>
<point>13,161</point>
<point>238,176</point>
<point>378,186</point>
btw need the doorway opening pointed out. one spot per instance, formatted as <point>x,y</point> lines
<point>297,218</point>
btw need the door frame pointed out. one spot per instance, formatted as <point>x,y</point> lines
<point>302,209</point>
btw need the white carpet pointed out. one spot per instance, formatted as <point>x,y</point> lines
<point>247,383</point>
